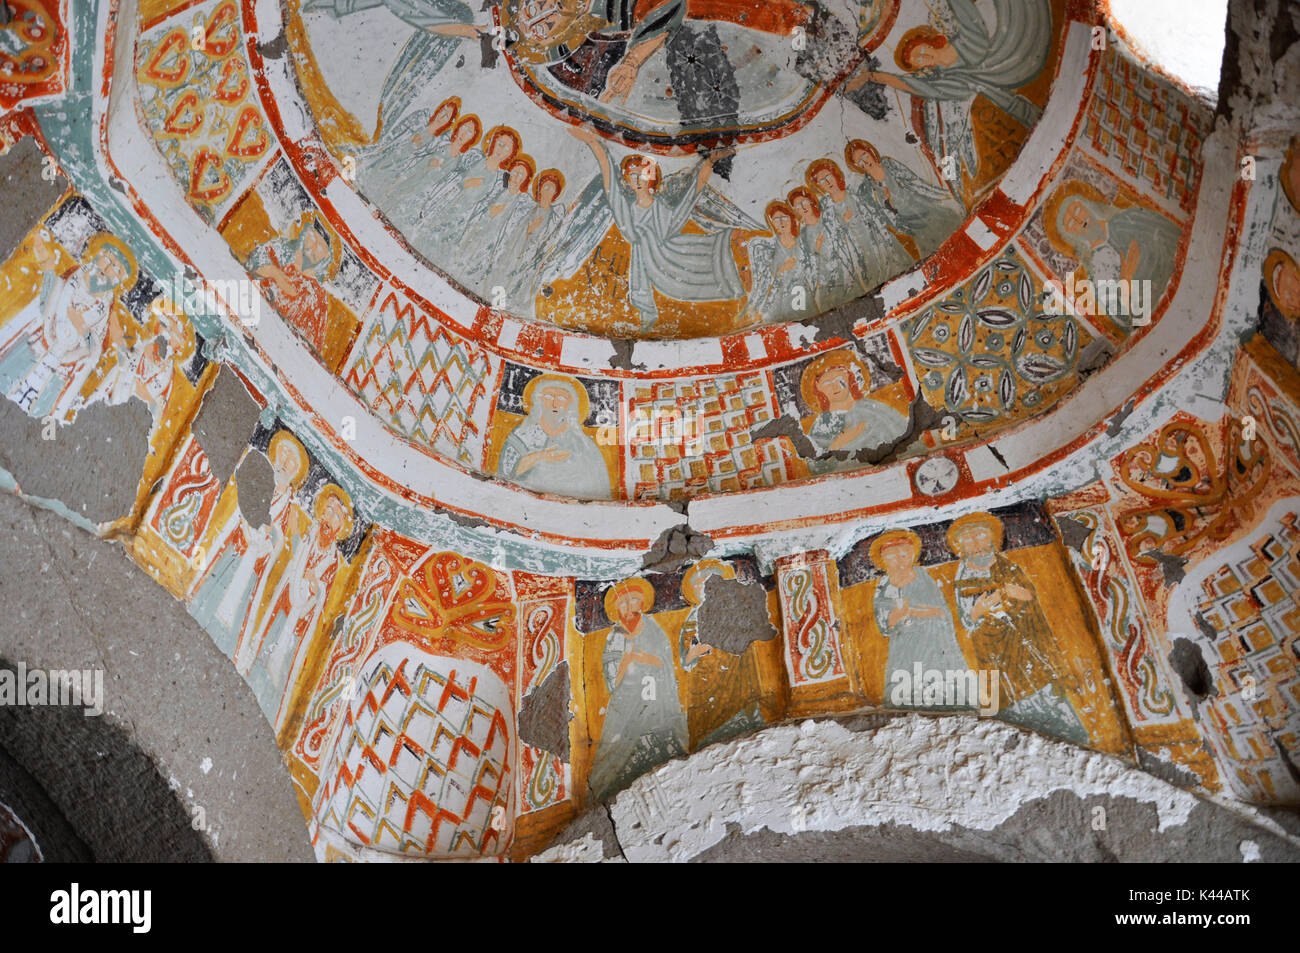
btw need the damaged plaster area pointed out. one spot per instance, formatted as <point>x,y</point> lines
<point>914,788</point>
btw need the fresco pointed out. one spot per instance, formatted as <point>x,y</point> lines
<point>978,613</point>
<point>817,174</point>
<point>1280,273</point>
<point>657,685</point>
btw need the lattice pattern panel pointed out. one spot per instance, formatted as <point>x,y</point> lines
<point>424,382</point>
<point>1151,129</point>
<point>423,765</point>
<point>1254,606</point>
<point>687,437</point>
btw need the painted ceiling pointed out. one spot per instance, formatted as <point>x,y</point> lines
<point>547,319</point>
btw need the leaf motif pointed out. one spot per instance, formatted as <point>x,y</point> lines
<point>956,389</point>
<point>1018,344</point>
<point>1007,388</point>
<point>1026,293</point>
<point>965,334</point>
<point>951,307</point>
<point>997,317</point>
<point>931,357</point>
<point>920,323</point>
<point>986,361</point>
<point>1040,368</point>
<point>981,286</point>
<point>1006,264</point>
<point>1071,338</point>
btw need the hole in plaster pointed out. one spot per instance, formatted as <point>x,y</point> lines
<point>1189,663</point>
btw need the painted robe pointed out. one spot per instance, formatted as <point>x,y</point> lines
<point>288,523</point>
<point>678,266</point>
<point>639,732</point>
<point>992,62</point>
<point>1016,641</point>
<point>771,295</point>
<point>931,642</point>
<point>582,474</point>
<point>1157,242</point>
<point>305,308</point>
<point>47,362</point>
<point>721,689</point>
<point>927,213</point>
<point>882,423</point>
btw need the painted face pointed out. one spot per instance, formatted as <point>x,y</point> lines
<point>108,271</point>
<point>314,247</point>
<point>517,176</point>
<point>1286,288</point>
<point>462,136</point>
<point>782,224</point>
<point>502,148</point>
<point>825,181</point>
<point>548,191</point>
<point>641,174</point>
<point>942,53</point>
<point>285,464</point>
<point>542,18</point>
<point>443,115</point>
<point>833,384</point>
<point>331,520</point>
<point>803,205</point>
<point>976,541</point>
<point>556,402</point>
<point>1078,221</point>
<point>869,163</point>
<point>629,606</point>
<point>897,558</point>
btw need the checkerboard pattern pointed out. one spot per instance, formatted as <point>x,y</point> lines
<point>1152,130</point>
<point>1254,607</point>
<point>688,437</point>
<point>424,382</point>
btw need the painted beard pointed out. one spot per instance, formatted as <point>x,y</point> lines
<point>630,621</point>
<point>98,284</point>
<point>980,560</point>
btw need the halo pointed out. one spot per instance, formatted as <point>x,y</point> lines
<point>812,197</point>
<point>784,207</point>
<point>584,400</point>
<point>818,366</point>
<point>1056,201</point>
<point>1275,258</point>
<point>914,37</point>
<point>975,519</point>
<point>280,439</point>
<point>638,157</point>
<point>478,129</point>
<point>455,113</point>
<point>527,162</point>
<point>852,146</point>
<point>695,594</point>
<point>818,165</point>
<point>1291,159</point>
<point>553,175</point>
<point>892,538</point>
<point>332,491</point>
<point>580,24</point>
<point>635,584</point>
<point>489,140</point>
<point>104,240</point>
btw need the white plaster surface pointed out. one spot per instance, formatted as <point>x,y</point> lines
<point>930,774</point>
<point>1182,37</point>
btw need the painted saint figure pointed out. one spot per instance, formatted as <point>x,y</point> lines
<point>1112,243</point>
<point>836,385</point>
<point>946,67</point>
<point>226,599</point>
<point>644,723</point>
<point>293,272</point>
<point>892,194</point>
<point>912,613</point>
<point>664,259</point>
<point>779,269</point>
<point>296,607</point>
<point>998,605</point>
<point>549,451</point>
<point>407,153</point>
<point>57,340</point>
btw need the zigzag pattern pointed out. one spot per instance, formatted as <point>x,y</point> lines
<point>422,380</point>
<point>711,449</point>
<point>423,763</point>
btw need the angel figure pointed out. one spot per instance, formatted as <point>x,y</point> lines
<point>891,194</point>
<point>779,266</point>
<point>959,56</point>
<point>651,212</point>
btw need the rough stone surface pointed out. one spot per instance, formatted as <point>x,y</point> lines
<point>92,465</point>
<point>224,423</point>
<point>917,788</point>
<point>734,614</point>
<point>28,195</point>
<point>74,601</point>
<point>544,715</point>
